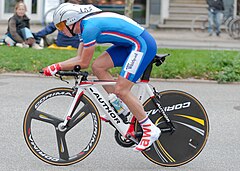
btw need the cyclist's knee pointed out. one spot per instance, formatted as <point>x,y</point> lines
<point>101,65</point>
<point>121,93</point>
<point>95,67</point>
<point>123,87</point>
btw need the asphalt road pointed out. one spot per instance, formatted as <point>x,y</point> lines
<point>222,152</point>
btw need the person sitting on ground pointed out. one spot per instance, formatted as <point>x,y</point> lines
<point>62,40</point>
<point>18,32</point>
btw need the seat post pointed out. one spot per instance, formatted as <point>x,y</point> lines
<point>146,75</point>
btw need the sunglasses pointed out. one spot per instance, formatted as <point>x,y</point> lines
<point>60,26</point>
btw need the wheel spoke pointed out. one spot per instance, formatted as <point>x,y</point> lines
<point>45,117</point>
<point>62,145</point>
<point>78,116</point>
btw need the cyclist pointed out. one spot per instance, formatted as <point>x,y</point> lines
<point>133,49</point>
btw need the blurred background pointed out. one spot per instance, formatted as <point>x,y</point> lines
<point>165,14</point>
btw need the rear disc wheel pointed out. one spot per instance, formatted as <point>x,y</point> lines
<point>192,128</point>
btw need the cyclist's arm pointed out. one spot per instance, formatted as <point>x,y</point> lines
<point>83,58</point>
<point>85,50</point>
<point>80,48</point>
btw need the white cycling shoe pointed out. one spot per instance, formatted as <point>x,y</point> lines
<point>151,133</point>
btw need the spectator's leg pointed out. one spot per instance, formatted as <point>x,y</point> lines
<point>210,23</point>
<point>218,21</point>
<point>30,41</point>
<point>29,38</point>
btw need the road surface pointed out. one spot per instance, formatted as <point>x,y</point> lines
<point>222,151</point>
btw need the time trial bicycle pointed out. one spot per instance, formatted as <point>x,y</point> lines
<point>62,126</point>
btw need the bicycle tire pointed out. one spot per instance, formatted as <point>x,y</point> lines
<point>199,26</point>
<point>57,146</point>
<point>227,24</point>
<point>234,28</point>
<point>192,129</point>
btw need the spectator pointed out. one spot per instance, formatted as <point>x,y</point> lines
<point>215,15</point>
<point>62,40</point>
<point>18,32</point>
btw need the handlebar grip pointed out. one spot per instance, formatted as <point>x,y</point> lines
<point>67,73</point>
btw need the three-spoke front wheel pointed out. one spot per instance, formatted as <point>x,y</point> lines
<point>49,140</point>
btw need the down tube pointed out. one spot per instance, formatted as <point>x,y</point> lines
<point>103,104</point>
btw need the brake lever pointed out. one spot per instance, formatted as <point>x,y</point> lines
<point>61,78</point>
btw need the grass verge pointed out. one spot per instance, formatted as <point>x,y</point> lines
<point>223,66</point>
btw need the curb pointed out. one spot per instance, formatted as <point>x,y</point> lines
<point>189,80</point>
<point>197,45</point>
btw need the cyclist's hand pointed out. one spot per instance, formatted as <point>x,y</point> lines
<point>51,70</point>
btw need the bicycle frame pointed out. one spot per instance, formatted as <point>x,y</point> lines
<point>89,88</point>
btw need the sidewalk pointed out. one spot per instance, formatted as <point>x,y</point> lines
<point>177,39</point>
<point>187,39</point>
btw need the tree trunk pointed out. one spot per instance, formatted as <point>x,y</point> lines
<point>129,8</point>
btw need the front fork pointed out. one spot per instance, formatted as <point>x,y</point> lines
<point>77,94</point>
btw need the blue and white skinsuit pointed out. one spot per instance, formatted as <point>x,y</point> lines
<point>133,47</point>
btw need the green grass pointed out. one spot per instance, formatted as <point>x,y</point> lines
<point>223,66</point>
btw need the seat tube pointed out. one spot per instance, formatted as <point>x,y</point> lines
<point>144,91</point>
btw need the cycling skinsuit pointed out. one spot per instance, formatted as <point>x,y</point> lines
<point>133,47</point>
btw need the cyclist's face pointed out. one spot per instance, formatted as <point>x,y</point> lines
<point>67,32</point>
<point>63,28</point>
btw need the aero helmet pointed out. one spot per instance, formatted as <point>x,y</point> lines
<point>68,13</point>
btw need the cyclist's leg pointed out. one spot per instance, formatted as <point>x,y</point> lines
<point>133,68</point>
<point>150,131</point>
<point>100,69</point>
<point>113,57</point>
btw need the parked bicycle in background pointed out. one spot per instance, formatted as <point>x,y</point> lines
<point>229,24</point>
